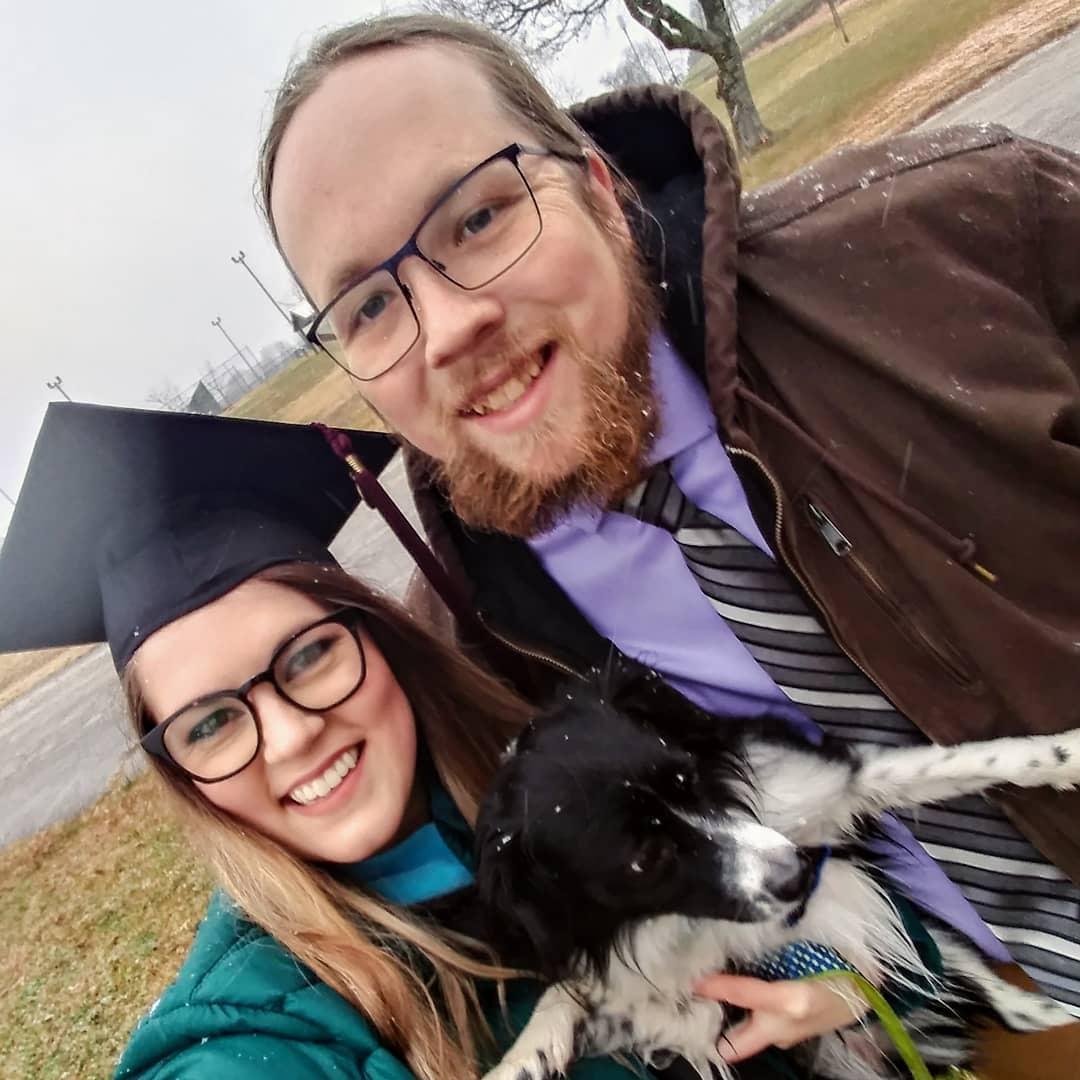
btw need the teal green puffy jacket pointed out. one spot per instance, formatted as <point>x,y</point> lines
<point>243,1009</point>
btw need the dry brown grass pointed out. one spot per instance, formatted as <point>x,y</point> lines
<point>312,388</point>
<point>990,48</point>
<point>96,915</point>
<point>906,59</point>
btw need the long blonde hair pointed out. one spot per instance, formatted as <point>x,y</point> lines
<point>350,939</point>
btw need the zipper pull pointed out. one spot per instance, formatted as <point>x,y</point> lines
<point>836,540</point>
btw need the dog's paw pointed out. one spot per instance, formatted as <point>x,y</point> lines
<point>555,1035</point>
<point>534,1067</point>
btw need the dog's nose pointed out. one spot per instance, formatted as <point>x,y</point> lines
<point>789,875</point>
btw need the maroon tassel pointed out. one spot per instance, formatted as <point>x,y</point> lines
<point>375,495</point>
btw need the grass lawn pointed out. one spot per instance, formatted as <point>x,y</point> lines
<point>95,917</point>
<point>811,89</point>
<point>311,388</point>
<point>96,914</point>
<point>750,37</point>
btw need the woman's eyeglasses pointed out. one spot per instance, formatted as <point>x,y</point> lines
<point>219,735</point>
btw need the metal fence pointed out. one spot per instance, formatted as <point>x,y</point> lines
<point>224,383</point>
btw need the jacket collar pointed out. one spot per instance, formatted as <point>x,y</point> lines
<point>677,156</point>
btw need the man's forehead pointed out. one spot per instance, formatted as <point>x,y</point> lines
<point>369,151</point>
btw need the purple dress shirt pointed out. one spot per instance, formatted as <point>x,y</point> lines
<point>629,579</point>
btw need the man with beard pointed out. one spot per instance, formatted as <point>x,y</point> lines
<point>814,454</point>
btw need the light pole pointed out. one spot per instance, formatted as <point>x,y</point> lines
<point>241,260</point>
<point>236,348</point>
<point>58,385</point>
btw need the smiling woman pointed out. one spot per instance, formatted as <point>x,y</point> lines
<point>325,755</point>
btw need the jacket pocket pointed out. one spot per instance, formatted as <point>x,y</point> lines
<point>941,652</point>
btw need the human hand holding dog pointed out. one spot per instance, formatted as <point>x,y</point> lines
<point>782,1013</point>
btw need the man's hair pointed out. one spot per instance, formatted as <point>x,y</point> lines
<point>518,90</point>
<point>412,981</point>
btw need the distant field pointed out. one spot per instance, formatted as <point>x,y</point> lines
<point>311,388</point>
<point>814,92</point>
<point>784,14</point>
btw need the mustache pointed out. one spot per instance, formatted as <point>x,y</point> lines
<point>510,353</point>
<point>490,494</point>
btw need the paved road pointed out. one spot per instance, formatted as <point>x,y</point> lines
<point>1039,96</point>
<point>65,738</point>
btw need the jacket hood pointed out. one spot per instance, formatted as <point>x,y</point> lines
<point>677,155</point>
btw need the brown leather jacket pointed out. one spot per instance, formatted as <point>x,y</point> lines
<point>891,343</point>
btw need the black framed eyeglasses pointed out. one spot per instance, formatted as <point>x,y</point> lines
<point>219,734</point>
<point>477,230</point>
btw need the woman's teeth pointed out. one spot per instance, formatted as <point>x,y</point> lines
<point>315,789</point>
<point>508,392</point>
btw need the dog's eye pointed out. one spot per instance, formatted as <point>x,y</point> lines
<point>653,855</point>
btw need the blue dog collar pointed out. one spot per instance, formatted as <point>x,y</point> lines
<point>822,857</point>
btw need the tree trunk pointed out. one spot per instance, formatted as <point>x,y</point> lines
<point>716,39</point>
<point>734,91</point>
<point>731,85</point>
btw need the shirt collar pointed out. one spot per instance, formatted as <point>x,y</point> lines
<point>685,418</point>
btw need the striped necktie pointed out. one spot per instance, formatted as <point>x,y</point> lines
<point>755,597</point>
<point>1026,901</point>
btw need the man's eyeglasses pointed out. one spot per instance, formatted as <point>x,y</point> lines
<point>219,735</point>
<point>478,229</point>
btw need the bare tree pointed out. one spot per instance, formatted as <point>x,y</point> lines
<point>633,69</point>
<point>716,39</point>
<point>544,27</point>
<point>166,394</point>
<point>643,62</point>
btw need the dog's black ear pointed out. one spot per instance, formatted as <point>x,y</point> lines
<point>648,699</point>
<point>524,906</point>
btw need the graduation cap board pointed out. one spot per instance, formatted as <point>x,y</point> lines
<point>129,519</point>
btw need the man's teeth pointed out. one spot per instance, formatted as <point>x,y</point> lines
<point>307,793</point>
<point>508,392</point>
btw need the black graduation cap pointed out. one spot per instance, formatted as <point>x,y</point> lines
<point>129,519</point>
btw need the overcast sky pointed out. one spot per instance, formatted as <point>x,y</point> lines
<point>128,134</point>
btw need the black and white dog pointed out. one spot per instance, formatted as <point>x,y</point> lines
<point>633,843</point>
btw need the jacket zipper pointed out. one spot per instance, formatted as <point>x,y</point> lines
<point>842,547</point>
<point>839,543</point>
<point>870,580</point>
<point>530,653</point>
<point>778,531</point>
